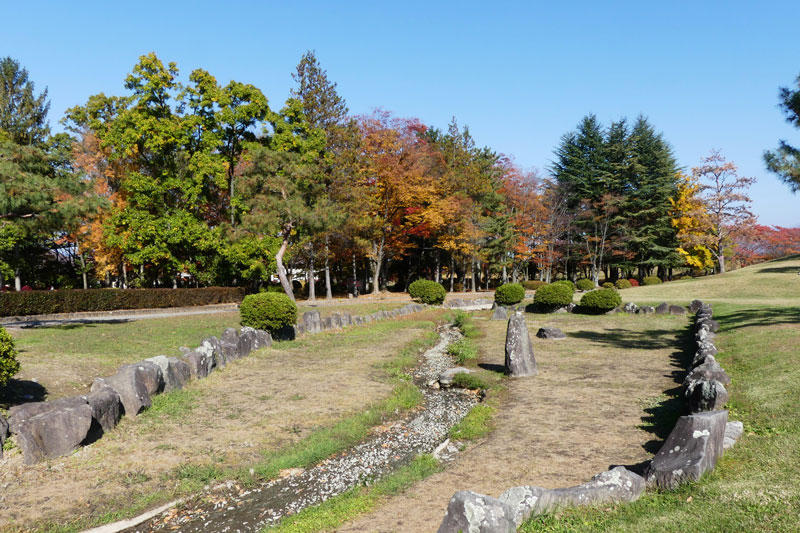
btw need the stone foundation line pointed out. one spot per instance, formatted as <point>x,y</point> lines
<point>49,429</point>
<point>693,447</point>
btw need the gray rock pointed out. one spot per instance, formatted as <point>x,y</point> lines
<point>135,385</point>
<point>469,512</point>
<point>646,310</point>
<point>263,339</point>
<point>247,342</point>
<point>446,377</point>
<point>50,429</point>
<point>630,308</point>
<point>691,449</point>
<point>212,347</point>
<point>708,370</point>
<point>571,307</point>
<point>228,351</point>
<point>705,395</point>
<point>677,310</point>
<point>200,364</point>
<point>613,486</point>
<point>500,313</point>
<point>662,308</point>
<point>695,306</point>
<point>229,335</point>
<point>519,359</point>
<point>174,372</point>
<point>312,321</point>
<point>550,333</point>
<point>3,433</point>
<point>347,320</point>
<point>710,323</point>
<point>733,431</point>
<point>299,329</point>
<point>106,407</point>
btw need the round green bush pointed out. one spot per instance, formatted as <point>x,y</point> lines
<point>584,284</point>
<point>553,295</point>
<point>509,294</point>
<point>427,292</point>
<point>270,311</point>
<point>651,280</point>
<point>601,300</point>
<point>533,284</point>
<point>566,282</point>
<point>623,284</point>
<point>608,285</point>
<point>8,357</point>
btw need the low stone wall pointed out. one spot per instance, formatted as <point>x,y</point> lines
<point>692,448</point>
<point>54,428</point>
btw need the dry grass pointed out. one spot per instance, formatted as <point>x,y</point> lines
<point>261,403</point>
<point>603,396</point>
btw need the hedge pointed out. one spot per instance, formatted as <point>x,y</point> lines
<point>8,357</point>
<point>553,296</point>
<point>651,280</point>
<point>584,284</point>
<point>509,294</point>
<point>566,282</point>
<point>533,284</point>
<point>623,284</point>
<point>427,291</point>
<point>600,301</point>
<point>269,311</point>
<point>26,303</point>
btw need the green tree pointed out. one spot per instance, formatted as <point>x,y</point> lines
<point>23,115</point>
<point>785,161</point>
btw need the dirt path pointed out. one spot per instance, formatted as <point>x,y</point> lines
<point>580,415</point>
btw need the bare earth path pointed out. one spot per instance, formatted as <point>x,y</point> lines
<point>580,415</point>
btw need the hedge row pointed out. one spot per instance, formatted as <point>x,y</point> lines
<point>72,301</point>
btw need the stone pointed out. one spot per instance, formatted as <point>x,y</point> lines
<point>446,377</point>
<point>550,333</point>
<point>691,449</point>
<point>262,338</point>
<point>646,310</point>
<point>500,313</point>
<point>228,351</point>
<point>695,306</point>
<point>571,307</point>
<point>613,486</point>
<point>708,370</point>
<point>50,429</point>
<point>212,347</point>
<point>106,407</point>
<point>705,395</point>
<point>135,385</point>
<point>519,359</point>
<point>3,433</point>
<point>229,335</point>
<point>469,512</point>
<point>200,364</point>
<point>347,320</point>
<point>662,308</point>
<point>630,308</point>
<point>710,323</point>
<point>174,372</point>
<point>312,321</point>
<point>733,431</point>
<point>247,342</point>
<point>677,310</point>
<point>299,329</point>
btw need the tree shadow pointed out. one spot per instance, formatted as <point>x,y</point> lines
<point>19,391</point>
<point>625,338</point>
<point>763,316</point>
<point>501,369</point>
<point>780,270</point>
<point>67,325</point>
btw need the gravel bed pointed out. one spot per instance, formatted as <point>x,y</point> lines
<point>230,508</point>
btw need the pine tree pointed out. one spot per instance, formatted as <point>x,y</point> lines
<point>23,115</point>
<point>785,161</point>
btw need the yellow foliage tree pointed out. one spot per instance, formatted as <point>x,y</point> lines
<point>690,218</point>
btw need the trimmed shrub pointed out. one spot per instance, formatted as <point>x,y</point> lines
<point>584,284</point>
<point>533,284</point>
<point>509,294</point>
<point>8,357</point>
<point>651,280</point>
<point>268,310</point>
<point>76,300</point>
<point>634,282</point>
<point>427,292</point>
<point>566,282</point>
<point>553,296</point>
<point>600,301</point>
<point>608,285</point>
<point>623,284</point>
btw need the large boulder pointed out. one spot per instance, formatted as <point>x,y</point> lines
<point>50,429</point>
<point>614,486</point>
<point>550,333</point>
<point>469,512</point>
<point>174,371</point>
<point>200,364</point>
<point>135,385</point>
<point>691,449</point>
<point>500,313</point>
<point>519,360</point>
<point>106,407</point>
<point>312,321</point>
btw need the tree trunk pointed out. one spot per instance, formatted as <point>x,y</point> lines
<point>285,283</point>
<point>721,263</point>
<point>438,267</point>
<point>312,290</point>
<point>83,272</point>
<point>452,271</point>
<point>328,291</point>
<point>17,280</point>
<point>124,276</point>
<point>505,274</point>
<point>472,272</point>
<point>355,278</point>
<point>377,254</point>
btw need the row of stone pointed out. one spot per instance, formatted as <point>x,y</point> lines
<point>311,321</point>
<point>691,449</point>
<point>501,312</point>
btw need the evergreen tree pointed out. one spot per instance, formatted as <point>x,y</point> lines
<point>23,115</point>
<point>785,161</point>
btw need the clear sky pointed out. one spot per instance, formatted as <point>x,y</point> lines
<point>520,74</point>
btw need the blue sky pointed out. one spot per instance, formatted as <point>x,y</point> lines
<point>519,74</point>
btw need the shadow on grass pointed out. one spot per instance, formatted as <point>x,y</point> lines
<point>19,391</point>
<point>625,338</point>
<point>71,324</point>
<point>762,316</point>
<point>779,270</point>
<point>501,369</point>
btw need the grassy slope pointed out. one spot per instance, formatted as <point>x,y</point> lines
<point>754,487</point>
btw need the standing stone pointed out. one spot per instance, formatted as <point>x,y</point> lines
<point>312,321</point>
<point>200,364</point>
<point>106,407</point>
<point>500,313</point>
<point>50,429</point>
<point>519,361</point>
<point>263,339</point>
<point>662,308</point>
<point>247,342</point>
<point>691,449</point>
<point>469,512</point>
<point>174,372</point>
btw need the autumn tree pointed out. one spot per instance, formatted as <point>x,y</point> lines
<point>785,161</point>
<point>728,205</point>
<point>691,220</point>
